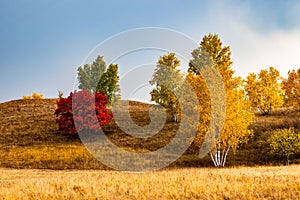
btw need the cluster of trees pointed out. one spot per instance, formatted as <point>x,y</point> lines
<point>210,55</point>
<point>233,97</point>
<point>99,88</point>
<point>98,77</point>
<point>262,92</point>
<point>268,90</point>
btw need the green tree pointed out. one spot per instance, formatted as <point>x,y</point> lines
<point>264,90</point>
<point>167,80</point>
<point>96,77</point>
<point>109,83</point>
<point>284,143</point>
<point>89,75</point>
<point>211,54</point>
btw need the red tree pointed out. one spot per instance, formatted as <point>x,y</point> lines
<point>87,111</point>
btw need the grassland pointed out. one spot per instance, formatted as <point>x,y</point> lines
<point>205,183</point>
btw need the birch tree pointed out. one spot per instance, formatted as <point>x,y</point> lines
<point>238,118</point>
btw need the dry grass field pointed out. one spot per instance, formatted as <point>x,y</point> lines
<point>206,183</point>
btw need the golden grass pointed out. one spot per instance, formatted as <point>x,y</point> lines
<point>206,183</point>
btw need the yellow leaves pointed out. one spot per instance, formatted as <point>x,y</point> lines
<point>26,97</point>
<point>238,117</point>
<point>291,85</point>
<point>204,104</point>
<point>34,96</point>
<point>264,90</point>
<point>169,60</point>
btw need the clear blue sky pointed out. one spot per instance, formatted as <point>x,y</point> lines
<point>43,42</point>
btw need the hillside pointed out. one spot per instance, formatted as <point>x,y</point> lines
<point>29,138</point>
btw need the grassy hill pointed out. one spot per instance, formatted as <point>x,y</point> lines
<point>29,138</point>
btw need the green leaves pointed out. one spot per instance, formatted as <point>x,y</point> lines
<point>96,77</point>
<point>109,83</point>
<point>89,75</point>
<point>167,80</point>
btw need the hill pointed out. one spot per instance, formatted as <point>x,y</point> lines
<point>29,138</point>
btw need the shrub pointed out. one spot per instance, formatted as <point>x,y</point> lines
<point>84,112</point>
<point>26,97</point>
<point>284,143</point>
<point>34,96</point>
<point>60,94</point>
<point>37,96</point>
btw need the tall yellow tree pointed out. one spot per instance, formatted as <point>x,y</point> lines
<point>291,86</point>
<point>264,90</point>
<point>237,116</point>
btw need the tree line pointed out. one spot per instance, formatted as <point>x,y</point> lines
<point>261,92</point>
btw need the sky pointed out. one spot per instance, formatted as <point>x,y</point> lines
<point>42,43</point>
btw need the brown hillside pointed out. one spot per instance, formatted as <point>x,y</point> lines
<point>27,121</point>
<point>29,138</point>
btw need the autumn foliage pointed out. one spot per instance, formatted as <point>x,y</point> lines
<point>237,116</point>
<point>88,112</point>
<point>264,90</point>
<point>34,96</point>
<point>292,89</point>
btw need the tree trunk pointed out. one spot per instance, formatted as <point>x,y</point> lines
<point>174,117</point>
<point>219,157</point>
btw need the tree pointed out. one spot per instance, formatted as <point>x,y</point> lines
<point>90,75</point>
<point>167,80</point>
<point>284,143</point>
<point>264,90</point>
<point>109,83</point>
<point>80,111</point>
<point>237,117</point>
<point>291,86</point>
<point>96,77</point>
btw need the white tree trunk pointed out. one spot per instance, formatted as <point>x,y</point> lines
<point>219,157</point>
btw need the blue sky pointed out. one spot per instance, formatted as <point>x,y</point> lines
<point>43,42</point>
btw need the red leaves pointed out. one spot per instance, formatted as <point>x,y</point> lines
<point>89,114</point>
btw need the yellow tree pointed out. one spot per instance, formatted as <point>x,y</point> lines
<point>264,90</point>
<point>291,86</point>
<point>197,82</point>
<point>237,116</point>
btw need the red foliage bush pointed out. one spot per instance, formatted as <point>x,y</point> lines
<point>89,112</point>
